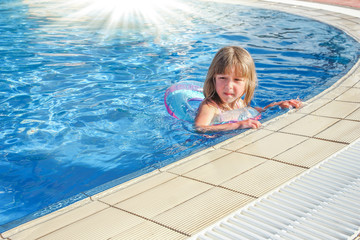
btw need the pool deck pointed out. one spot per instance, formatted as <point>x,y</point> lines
<point>179,200</point>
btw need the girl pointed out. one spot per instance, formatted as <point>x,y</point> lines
<point>230,78</point>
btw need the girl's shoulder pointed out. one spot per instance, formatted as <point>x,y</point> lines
<point>210,103</point>
<point>240,104</point>
<point>218,107</point>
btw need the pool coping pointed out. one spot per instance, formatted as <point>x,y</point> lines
<point>165,203</point>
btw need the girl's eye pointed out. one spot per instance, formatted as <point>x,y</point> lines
<point>239,79</point>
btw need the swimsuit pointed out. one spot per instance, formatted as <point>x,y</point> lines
<point>238,114</point>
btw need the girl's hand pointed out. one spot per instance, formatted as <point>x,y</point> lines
<point>290,104</point>
<point>285,104</point>
<point>248,123</point>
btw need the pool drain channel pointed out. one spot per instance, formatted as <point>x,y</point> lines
<point>322,203</point>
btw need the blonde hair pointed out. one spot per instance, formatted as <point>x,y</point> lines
<point>228,59</point>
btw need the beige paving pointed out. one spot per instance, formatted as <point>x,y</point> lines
<point>200,161</point>
<point>309,152</point>
<point>179,200</point>
<point>148,204</point>
<point>351,95</point>
<point>335,93</point>
<point>102,225</point>
<point>225,168</point>
<point>201,211</point>
<point>138,188</point>
<point>234,145</point>
<point>343,131</point>
<point>263,178</point>
<point>62,220</point>
<point>337,109</point>
<point>354,115</point>
<point>150,231</point>
<point>277,124</point>
<point>309,125</point>
<point>272,145</point>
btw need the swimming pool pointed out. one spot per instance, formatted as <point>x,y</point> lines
<point>77,108</point>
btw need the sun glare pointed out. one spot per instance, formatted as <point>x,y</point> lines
<point>110,14</point>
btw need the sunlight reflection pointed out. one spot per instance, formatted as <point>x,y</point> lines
<point>108,15</point>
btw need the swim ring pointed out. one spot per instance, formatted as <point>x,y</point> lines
<point>183,99</point>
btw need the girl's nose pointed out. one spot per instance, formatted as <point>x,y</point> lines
<point>229,84</point>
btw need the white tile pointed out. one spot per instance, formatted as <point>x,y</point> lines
<point>283,121</point>
<point>343,131</point>
<point>334,92</point>
<point>247,139</point>
<point>310,152</point>
<point>149,231</point>
<point>202,210</point>
<point>224,168</point>
<point>309,125</point>
<point>137,188</point>
<point>272,145</point>
<point>352,95</point>
<point>198,161</point>
<point>102,225</point>
<point>337,109</point>
<point>163,197</point>
<point>354,116</point>
<point>263,178</point>
<point>59,221</point>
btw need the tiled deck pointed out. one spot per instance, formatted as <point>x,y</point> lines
<point>181,199</point>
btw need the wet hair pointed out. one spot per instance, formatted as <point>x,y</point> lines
<point>226,60</point>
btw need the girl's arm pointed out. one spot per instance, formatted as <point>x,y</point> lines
<point>249,123</point>
<point>207,112</point>
<point>284,104</point>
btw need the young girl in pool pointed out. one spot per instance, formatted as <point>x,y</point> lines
<point>230,84</point>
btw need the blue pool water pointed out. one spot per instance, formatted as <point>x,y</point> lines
<point>81,108</point>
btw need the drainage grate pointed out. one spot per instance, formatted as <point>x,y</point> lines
<point>322,203</point>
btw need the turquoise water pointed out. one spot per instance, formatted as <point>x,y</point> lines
<point>82,110</point>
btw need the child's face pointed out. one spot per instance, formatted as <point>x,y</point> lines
<point>230,87</point>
